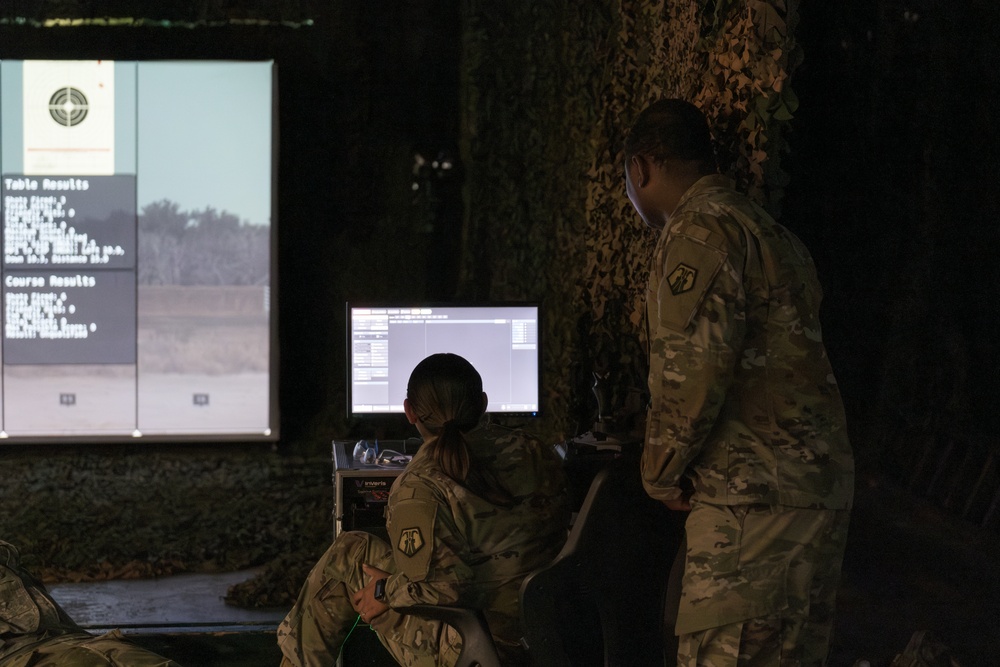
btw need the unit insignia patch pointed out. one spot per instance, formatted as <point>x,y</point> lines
<point>410,541</point>
<point>681,279</point>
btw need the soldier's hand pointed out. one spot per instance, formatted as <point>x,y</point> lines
<point>364,601</point>
<point>682,504</point>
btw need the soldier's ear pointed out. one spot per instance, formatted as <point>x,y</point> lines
<point>411,416</point>
<point>639,170</point>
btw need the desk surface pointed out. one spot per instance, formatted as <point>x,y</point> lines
<point>343,454</point>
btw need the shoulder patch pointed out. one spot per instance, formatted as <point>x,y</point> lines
<point>690,266</point>
<point>411,526</point>
<point>681,279</point>
<point>411,540</point>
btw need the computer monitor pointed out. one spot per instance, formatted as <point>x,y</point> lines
<point>385,343</point>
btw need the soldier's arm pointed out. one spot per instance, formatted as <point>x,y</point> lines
<point>19,613</point>
<point>426,551</point>
<point>698,325</point>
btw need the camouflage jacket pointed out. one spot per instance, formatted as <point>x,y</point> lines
<point>26,611</point>
<point>453,547</point>
<point>743,402</point>
<point>36,632</point>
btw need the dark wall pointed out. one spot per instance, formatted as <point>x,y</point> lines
<point>893,162</point>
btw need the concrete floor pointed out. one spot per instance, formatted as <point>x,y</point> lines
<point>181,617</point>
<point>909,567</point>
<point>177,602</point>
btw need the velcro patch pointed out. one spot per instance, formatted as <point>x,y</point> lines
<point>411,540</point>
<point>681,279</point>
<point>411,531</point>
<point>691,266</point>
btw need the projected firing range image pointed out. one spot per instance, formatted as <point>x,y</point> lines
<point>137,227</point>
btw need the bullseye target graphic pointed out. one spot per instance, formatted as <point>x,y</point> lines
<point>68,106</point>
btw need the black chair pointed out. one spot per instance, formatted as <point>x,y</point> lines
<point>600,601</point>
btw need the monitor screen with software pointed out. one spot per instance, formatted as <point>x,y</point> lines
<point>386,342</point>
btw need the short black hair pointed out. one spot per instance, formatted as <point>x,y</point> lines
<point>671,129</point>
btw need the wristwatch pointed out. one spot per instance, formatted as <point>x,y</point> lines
<point>380,590</point>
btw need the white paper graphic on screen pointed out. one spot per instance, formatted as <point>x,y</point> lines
<point>69,117</point>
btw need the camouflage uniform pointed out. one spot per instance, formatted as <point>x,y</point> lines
<point>746,412</point>
<point>36,632</point>
<point>449,547</point>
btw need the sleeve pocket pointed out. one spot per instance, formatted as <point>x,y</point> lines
<point>412,533</point>
<point>18,612</point>
<point>689,269</point>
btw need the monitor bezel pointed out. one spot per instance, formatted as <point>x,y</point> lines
<point>351,305</point>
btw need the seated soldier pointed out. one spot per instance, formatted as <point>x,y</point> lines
<point>477,509</point>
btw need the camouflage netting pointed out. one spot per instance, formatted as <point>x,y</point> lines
<point>78,517</point>
<point>549,89</point>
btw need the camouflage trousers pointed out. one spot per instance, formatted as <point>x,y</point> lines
<point>759,585</point>
<point>314,631</point>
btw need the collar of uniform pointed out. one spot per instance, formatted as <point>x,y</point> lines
<point>484,423</point>
<point>702,184</point>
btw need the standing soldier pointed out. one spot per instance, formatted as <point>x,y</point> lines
<point>746,428</point>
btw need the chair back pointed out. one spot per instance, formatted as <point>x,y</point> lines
<point>600,602</point>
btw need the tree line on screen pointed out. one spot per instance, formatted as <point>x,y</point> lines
<point>200,247</point>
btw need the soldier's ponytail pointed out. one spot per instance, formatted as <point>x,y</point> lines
<point>446,393</point>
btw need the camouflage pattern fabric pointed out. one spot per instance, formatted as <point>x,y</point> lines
<point>744,404</point>
<point>81,649</point>
<point>746,418</point>
<point>449,546</point>
<point>760,584</point>
<point>36,632</point>
<point>316,628</point>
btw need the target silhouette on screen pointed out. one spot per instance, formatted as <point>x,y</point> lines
<point>68,106</point>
